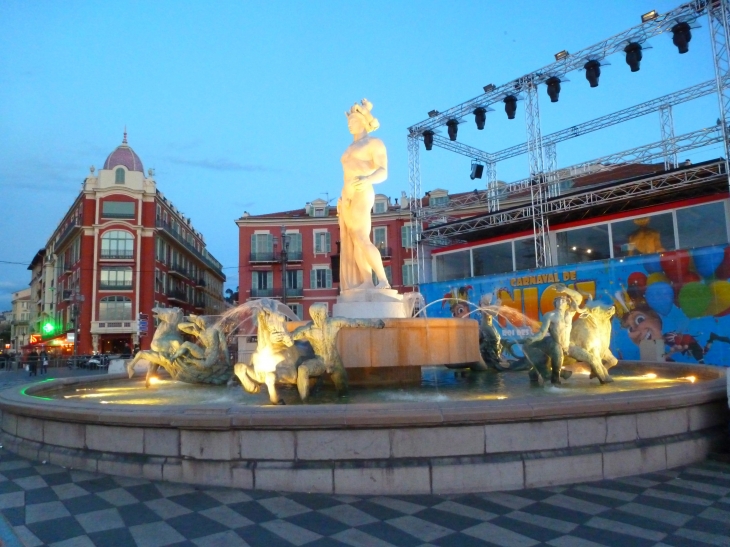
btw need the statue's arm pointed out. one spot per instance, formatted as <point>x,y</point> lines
<point>300,332</point>
<point>539,335</point>
<point>376,323</point>
<point>189,328</point>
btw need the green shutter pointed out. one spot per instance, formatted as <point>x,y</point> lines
<point>313,279</point>
<point>329,274</point>
<point>300,277</point>
<point>328,245</point>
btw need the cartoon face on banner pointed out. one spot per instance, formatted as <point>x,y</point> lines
<point>680,297</point>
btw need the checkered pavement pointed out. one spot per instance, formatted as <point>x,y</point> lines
<point>50,505</point>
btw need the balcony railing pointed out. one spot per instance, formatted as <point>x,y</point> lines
<point>178,270</point>
<point>277,293</point>
<point>70,229</point>
<point>200,282</point>
<point>117,254</point>
<point>211,263</point>
<point>385,251</point>
<point>180,296</point>
<point>115,286</point>
<point>262,293</point>
<point>275,256</point>
<point>200,304</point>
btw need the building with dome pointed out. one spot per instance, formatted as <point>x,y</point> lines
<point>121,249</point>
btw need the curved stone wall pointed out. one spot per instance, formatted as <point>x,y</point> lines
<point>438,448</point>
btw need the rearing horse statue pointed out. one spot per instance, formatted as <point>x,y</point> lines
<point>165,343</point>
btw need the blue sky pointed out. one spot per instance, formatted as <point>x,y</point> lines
<point>239,105</point>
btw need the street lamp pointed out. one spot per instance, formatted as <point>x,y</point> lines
<point>284,257</point>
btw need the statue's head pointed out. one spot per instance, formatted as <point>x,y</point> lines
<point>318,312</point>
<point>360,117</point>
<point>560,302</point>
<point>168,315</point>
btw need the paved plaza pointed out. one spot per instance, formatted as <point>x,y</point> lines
<point>44,504</point>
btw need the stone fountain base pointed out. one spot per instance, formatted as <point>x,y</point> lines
<point>419,448</point>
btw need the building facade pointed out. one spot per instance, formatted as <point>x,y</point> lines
<point>20,319</point>
<point>120,250</point>
<point>293,256</point>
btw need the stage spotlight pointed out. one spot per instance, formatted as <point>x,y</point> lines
<point>477,169</point>
<point>452,128</point>
<point>433,113</point>
<point>681,36</point>
<point>489,88</point>
<point>553,88</point>
<point>559,56</point>
<point>649,16</point>
<point>480,117</point>
<point>633,55</point>
<point>593,72</point>
<point>510,106</point>
<point>428,139</point>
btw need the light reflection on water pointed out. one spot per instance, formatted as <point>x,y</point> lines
<point>438,384</point>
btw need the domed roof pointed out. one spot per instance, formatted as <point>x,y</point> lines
<point>124,155</point>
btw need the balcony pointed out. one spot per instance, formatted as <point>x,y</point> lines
<point>178,271</point>
<point>262,293</point>
<point>180,296</point>
<point>271,257</point>
<point>117,255</point>
<point>199,304</point>
<point>114,326</point>
<point>277,293</point>
<point>64,236</point>
<point>385,252</point>
<point>210,262</point>
<point>200,282</point>
<point>115,287</point>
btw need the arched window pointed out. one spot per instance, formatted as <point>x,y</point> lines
<point>115,308</point>
<point>119,176</point>
<point>117,244</point>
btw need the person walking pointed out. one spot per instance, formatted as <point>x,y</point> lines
<point>43,357</point>
<point>33,363</point>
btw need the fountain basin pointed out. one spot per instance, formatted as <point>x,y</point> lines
<point>396,448</point>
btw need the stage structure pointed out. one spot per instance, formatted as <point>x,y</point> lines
<point>544,180</point>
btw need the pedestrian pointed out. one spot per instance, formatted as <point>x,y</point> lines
<point>33,363</point>
<point>43,357</point>
<point>127,351</point>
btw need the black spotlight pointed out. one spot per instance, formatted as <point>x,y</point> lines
<point>510,106</point>
<point>428,139</point>
<point>633,56</point>
<point>477,169</point>
<point>553,88</point>
<point>453,129</point>
<point>480,116</point>
<point>593,72</point>
<point>682,36</point>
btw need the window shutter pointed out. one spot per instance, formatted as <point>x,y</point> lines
<point>329,274</point>
<point>328,244</point>
<point>269,280</point>
<point>404,236</point>
<point>295,243</point>
<point>313,279</point>
<point>300,276</point>
<point>253,243</point>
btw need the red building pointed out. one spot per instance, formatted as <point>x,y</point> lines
<point>121,249</point>
<point>304,263</point>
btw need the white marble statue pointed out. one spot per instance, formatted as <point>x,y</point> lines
<point>364,163</point>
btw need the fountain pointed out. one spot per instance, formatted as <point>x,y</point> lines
<point>453,432</point>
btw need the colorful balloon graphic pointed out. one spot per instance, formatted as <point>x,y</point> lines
<point>656,278</point>
<point>652,264</point>
<point>694,299</point>
<point>720,302</point>
<point>676,265</point>
<point>660,296</point>
<point>708,260</point>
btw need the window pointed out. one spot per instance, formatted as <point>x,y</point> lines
<point>409,275</point>
<point>453,265</point>
<point>117,209</point>
<point>119,176</point>
<point>320,278</point>
<point>702,225</point>
<point>262,246</point>
<point>583,244</point>
<point>294,279</point>
<point>380,207</point>
<point>159,287</point>
<point>116,278</point>
<point>645,235</point>
<point>115,308</point>
<point>406,236</point>
<point>298,310</point>
<point>117,244</point>
<point>380,237</point>
<point>263,284</point>
<point>492,259</point>
<point>438,201</point>
<point>321,241</point>
<point>294,247</point>
<point>525,253</point>
<point>319,211</point>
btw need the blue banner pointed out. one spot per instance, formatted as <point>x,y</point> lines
<point>680,298</point>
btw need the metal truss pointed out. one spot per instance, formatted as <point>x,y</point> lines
<point>640,33</point>
<point>666,123</point>
<point>463,149</point>
<point>643,153</point>
<point>720,39</point>
<point>415,205</point>
<point>663,182</point>
<point>642,109</point>
<point>492,190</point>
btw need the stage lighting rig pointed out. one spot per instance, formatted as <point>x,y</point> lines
<point>428,139</point>
<point>593,72</point>
<point>633,55</point>
<point>649,16</point>
<point>489,88</point>
<point>452,128</point>
<point>510,106</point>
<point>681,36</point>
<point>477,169</point>
<point>553,88</point>
<point>561,55</point>
<point>480,117</point>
